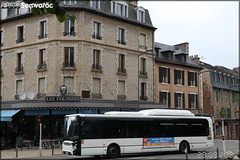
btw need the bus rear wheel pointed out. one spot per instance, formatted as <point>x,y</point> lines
<point>184,146</point>
<point>113,151</point>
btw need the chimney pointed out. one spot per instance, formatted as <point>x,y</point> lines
<point>133,2</point>
<point>195,59</point>
<point>183,46</point>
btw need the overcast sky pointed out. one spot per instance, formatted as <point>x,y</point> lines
<point>211,28</point>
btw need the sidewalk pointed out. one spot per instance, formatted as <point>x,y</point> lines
<point>34,154</point>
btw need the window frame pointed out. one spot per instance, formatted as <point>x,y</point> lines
<point>68,59</point>
<point>164,79</point>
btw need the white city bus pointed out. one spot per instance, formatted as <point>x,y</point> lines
<point>116,133</point>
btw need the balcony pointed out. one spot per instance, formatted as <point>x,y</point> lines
<point>143,98</point>
<point>143,74</point>
<point>121,42</point>
<point>69,66</point>
<point>42,36</point>
<point>69,33</point>
<point>42,67</point>
<point>122,71</point>
<point>19,40</point>
<point>96,96</point>
<point>96,68</point>
<point>19,69</point>
<point>121,97</point>
<point>97,36</point>
<point>143,47</point>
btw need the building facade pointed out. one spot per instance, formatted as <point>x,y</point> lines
<point>176,78</point>
<point>221,98</point>
<point>94,61</point>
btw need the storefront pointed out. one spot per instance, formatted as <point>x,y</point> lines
<point>24,117</point>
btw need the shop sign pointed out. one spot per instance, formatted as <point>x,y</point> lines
<point>63,98</point>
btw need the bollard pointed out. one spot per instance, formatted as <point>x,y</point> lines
<point>186,154</point>
<point>217,154</point>
<point>16,151</point>
<point>52,149</point>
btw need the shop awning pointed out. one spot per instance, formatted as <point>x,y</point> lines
<point>36,112</point>
<point>64,111</point>
<point>7,115</point>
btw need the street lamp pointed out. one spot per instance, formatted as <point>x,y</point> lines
<point>139,54</point>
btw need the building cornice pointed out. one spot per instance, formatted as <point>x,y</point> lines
<point>158,60</point>
<point>111,16</point>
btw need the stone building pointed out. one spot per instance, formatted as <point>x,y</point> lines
<point>221,98</point>
<point>176,78</point>
<point>95,58</point>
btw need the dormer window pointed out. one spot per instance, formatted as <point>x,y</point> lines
<point>95,4</point>
<point>141,15</point>
<point>69,2</point>
<point>168,55</point>
<point>119,8</point>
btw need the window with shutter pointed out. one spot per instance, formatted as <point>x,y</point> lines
<point>96,85</point>
<point>69,83</point>
<point>19,86</point>
<point>41,85</point>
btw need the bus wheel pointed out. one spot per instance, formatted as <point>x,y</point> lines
<point>113,151</point>
<point>184,146</point>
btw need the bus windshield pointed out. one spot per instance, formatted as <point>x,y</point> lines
<point>71,128</point>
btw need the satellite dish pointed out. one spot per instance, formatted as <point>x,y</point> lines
<point>30,95</point>
<point>22,96</point>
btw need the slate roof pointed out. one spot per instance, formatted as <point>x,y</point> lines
<point>176,52</point>
<point>221,72</point>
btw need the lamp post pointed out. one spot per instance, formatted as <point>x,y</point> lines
<point>139,54</point>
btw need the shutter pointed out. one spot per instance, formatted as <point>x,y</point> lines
<point>67,26</point>
<point>189,101</point>
<point>197,105</point>
<point>189,83</point>
<point>169,75</point>
<point>183,78</point>
<point>142,40</point>
<point>183,95</point>
<point>68,82</point>
<point>96,85</point>
<point>41,86</point>
<point>169,100</point>
<point>71,57</point>
<point>66,57</point>
<point>121,88</point>
<point>195,79</point>
<point>44,55</point>
<point>160,97</point>
<point>160,75</point>
<point>19,87</point>
<point>175,96</point>
<point>175,76</point>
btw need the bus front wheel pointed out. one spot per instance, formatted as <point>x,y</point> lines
<point>184,146</point>
<point>113,151</point>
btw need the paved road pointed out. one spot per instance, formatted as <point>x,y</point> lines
<point>231,145</point>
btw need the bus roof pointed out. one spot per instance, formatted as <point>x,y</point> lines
<point>154,112</point>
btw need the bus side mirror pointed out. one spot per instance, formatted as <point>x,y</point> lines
<point>75,138</point>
